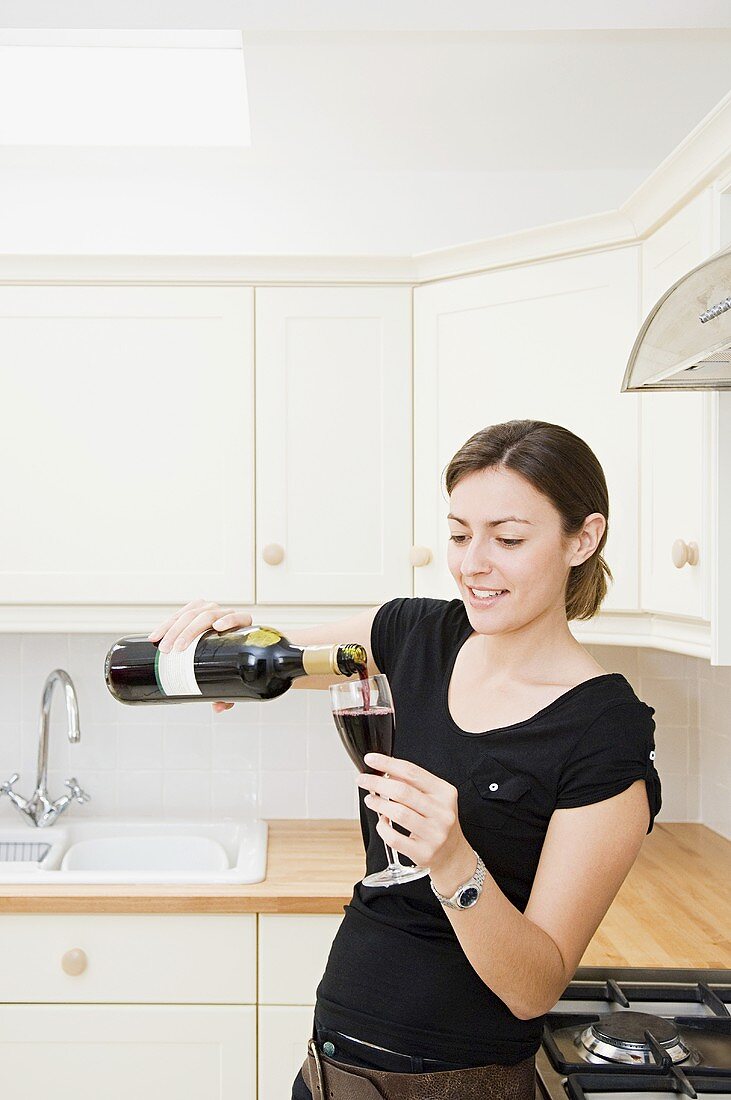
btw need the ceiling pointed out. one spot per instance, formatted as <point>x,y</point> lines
<point>427,87</point>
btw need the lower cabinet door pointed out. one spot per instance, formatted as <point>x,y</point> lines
<point>283,1034</point>
<point>149,1052</point>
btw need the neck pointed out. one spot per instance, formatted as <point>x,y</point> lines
<point>534,651</point>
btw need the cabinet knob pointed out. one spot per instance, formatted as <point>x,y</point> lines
<point>273,554</point>
<point>74,961</point>
<point>684,553</point>
<point>420,555</point>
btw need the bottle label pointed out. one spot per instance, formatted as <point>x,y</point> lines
<point>175,673</point>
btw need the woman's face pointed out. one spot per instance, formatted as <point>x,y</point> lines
<point>528,559</point>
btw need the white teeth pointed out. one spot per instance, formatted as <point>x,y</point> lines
<point>485,593</point>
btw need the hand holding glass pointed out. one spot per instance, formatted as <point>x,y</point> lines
<point>364,715</point>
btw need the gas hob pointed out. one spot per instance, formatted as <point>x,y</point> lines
<point>630,1033</point>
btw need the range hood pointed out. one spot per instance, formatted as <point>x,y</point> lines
<point>685,342</point>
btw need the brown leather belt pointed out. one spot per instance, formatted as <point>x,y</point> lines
<point>331,1080</point>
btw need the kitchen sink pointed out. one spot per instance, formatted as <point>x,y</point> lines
<point>108,850</point>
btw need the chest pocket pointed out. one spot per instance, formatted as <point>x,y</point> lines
<point>490,794</point>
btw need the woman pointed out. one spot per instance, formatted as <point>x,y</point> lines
<point>522,771</point>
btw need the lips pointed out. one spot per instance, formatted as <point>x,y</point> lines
<point>484,601</point>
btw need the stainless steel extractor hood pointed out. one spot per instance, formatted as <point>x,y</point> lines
<point>685,342</point>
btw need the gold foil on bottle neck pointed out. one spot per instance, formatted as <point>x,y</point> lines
<point>320,660</point>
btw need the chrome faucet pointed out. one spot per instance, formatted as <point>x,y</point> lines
<point>37,809</point>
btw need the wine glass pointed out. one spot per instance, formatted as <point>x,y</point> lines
<point>364,715</point>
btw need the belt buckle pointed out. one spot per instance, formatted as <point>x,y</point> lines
<point>315,1055</point>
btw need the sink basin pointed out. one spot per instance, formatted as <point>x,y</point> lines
<point>111,850</point>
<point>146,853</point>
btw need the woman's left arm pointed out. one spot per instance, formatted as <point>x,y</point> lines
<point>527,959</point>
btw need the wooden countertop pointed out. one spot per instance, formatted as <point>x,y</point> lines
<point>674,908</point>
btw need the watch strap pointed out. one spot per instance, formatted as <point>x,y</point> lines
<point>476,882</point>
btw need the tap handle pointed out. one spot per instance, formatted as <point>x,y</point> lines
<point>7,785</point>
<point>76,791</point>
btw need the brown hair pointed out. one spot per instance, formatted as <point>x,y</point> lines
<point>564,468</point>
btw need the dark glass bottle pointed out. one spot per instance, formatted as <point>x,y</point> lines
<point>254,662</point>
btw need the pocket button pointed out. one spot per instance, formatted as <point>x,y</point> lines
<point>494,786</point>
<point>329,1049</point>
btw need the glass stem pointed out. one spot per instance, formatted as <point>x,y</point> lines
<point>393,860</point>
<point>393,857</point>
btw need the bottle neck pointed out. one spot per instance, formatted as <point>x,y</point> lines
<point>320,660</point>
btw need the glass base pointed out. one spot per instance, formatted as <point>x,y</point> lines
<point>392,876</point>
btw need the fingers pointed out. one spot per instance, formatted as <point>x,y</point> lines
<point>194,619</point>
<point>404,769</point>
<point>396,791</point>
<point>395,811</point>
<point>220,706</point>
<point>163,627</point>
<point>230,619</point>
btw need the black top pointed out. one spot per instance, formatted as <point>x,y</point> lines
<point>396,975</point>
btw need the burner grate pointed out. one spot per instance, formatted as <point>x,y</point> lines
<point>713,998</point>
<point>628,1087</point>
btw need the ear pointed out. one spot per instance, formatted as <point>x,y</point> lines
<point>588,538</point>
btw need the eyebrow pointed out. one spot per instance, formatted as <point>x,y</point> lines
<point>492,522</point>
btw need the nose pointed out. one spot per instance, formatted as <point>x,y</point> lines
<point>475,563</point>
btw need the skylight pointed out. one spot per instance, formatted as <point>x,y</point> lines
<point>155,88</point>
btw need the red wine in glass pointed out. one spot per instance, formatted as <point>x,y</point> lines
<point>365,729</point>
<point>364,715</point>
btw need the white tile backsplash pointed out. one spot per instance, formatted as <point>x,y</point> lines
<point>284,758</point>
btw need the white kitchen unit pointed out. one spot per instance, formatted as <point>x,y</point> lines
<point>537,341</point>
<point>128,427</point>
<point>150,1005</point>
<point>333,444</point>
<point>150,1052</point>
<point>293,951</point>
<point>675,458</point>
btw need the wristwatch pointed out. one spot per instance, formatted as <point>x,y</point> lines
<point>468,893</point>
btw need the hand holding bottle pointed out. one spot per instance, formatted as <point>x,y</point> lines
<point>189,622</point>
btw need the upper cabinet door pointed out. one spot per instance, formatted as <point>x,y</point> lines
<point>127,444</point>
<point>546,341</point>
<point>333,444</point>
<point>674,464</point>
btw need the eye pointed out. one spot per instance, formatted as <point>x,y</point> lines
<point>508,543</point>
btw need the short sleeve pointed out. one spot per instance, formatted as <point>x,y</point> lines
<point>617,749</point>
<point>392,625</point>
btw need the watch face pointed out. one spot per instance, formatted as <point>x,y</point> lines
<point>468,897</point>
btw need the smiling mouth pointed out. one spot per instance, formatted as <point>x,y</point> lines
<point>486,595</point>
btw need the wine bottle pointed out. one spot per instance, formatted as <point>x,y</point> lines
<point>254,662</point>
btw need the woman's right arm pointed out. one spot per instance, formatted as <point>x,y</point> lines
<point>191,621</point>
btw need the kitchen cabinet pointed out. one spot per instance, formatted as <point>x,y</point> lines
<point>160,1004</point>
<point>119,1051</point>
<point>117,1005</point>
<point>544,341</point>
<point>675,458</point>
<point>333,445</point>
<point>293,951</point>
<point>127,444</point>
